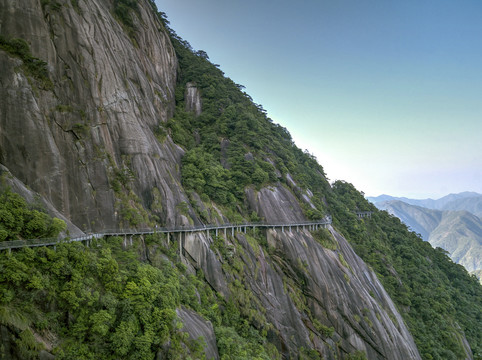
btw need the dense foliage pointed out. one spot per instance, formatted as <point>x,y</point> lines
<point>232,144</point>
<point>18,220</point>
<point>123,11</point>
<point>104,303</point>
<point>32,66</point>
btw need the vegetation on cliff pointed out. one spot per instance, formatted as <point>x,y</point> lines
<point>111,300</point>
<point>436,297</point>
<point>232,144</point>
<point>103,302</point>
<point>32,66</point>
<point>19,220</point>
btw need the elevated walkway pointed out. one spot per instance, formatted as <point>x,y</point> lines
<point>208,229</point>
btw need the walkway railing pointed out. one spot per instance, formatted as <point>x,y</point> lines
<point>364,214</point>
<point>166,230</point>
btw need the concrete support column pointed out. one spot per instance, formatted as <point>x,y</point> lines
<point>180,245</point>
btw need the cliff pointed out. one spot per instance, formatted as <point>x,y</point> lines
<point>111,129</point>
<point>94,123</point>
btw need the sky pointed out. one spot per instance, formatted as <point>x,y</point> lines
<point>387,94</point>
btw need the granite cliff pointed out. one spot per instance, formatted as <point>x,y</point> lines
<point>88,136</point>
<point>96,121</point>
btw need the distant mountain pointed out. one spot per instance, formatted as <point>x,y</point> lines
<point>458,232</point>
<point>421,220</point>
<point>470,201</point>
<point>470,204</point>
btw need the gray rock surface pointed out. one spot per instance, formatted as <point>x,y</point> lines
<point>192,99</point>
<point>197,251</point>
<point>275,204</point>
<point>110,93</point>
<point>351,300</point>
<point>342,292</point>
<point>197,327</point>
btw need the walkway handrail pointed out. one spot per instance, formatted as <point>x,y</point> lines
<point>182,229</point>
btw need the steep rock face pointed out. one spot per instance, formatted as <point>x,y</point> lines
<point>275,204</point>
<point>197,327</point>
<point>342,294</point>
<point>193,99</point>
<point>109,94</point>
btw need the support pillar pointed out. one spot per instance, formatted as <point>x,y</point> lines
<point>180,245</point>
<point>168,236</point>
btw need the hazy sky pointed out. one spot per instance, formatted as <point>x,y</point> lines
<point>387,94</point>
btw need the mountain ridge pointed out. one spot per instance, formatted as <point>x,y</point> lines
<point>458,232</point>
<point>455,201</point>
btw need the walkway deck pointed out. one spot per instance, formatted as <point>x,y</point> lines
<point>311,225</point>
